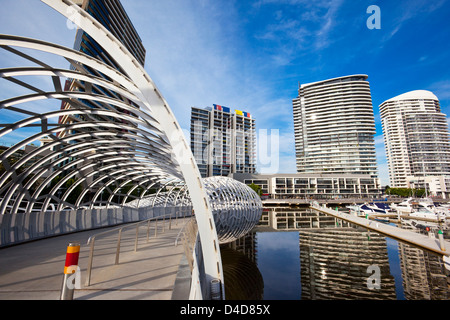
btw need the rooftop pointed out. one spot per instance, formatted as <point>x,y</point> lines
<point>414,95</point>
<point>364,76</point>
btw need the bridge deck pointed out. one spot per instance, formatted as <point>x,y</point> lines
<point>34,270</point>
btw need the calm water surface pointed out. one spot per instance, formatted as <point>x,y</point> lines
<point>303,255</point>
<point>279,264</point>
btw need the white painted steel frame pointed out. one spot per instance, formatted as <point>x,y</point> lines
<point>149,127</point>
<point>236,208</point>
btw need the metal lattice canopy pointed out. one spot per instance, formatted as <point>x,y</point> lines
<point>109,138</point>
<point>100,140</point>
<point>236,207</point>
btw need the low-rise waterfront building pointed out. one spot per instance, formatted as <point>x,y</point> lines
<point>435,186</point>
<point>314,186</point>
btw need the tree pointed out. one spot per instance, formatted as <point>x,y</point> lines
<point>73,196</point>
<point>256,188</point>
<point>405,192</point>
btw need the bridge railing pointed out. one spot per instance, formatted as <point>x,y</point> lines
<point>192,248</point>
<point>137,225</point>
<point>188,236</point>
<point>28,226</point>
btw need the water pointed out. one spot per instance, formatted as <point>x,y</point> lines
<point>301,255</point>
<point>279,264</point>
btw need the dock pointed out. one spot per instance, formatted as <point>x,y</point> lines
<point>306,201</point>
<point>394,217</point>
<point>403,235</point>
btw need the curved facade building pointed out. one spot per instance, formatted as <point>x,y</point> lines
<point>334,127</point>
<point>416,137</point>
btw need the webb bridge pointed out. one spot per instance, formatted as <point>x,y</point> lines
<point>98,146</point>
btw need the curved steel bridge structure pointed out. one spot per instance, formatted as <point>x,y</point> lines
<point>113,142</point>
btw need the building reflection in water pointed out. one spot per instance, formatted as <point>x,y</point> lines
<point>334,261</point>
<point>336,264</point>
<point>424,274</point>
<point>243,280</point>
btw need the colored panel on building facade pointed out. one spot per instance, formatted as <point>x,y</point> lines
<point>221,108</point>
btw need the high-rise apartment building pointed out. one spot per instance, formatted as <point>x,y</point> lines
<point>334,127</point>
<point>112,15</point>
<point>416,137</point>
<point>223,142</point>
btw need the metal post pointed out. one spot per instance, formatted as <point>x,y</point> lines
<point>136,240</point>
<point>91,257</point>
<point>441,240</point>
<point>70,271</point>
<point>118,246</point>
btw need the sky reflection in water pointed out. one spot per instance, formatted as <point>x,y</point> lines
<point>278,260</point>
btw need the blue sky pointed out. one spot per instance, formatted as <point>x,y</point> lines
<point>251,55</point>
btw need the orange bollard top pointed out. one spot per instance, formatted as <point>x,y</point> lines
<point>73,252</point>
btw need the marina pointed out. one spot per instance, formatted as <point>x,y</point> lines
<point>426,242</point>
<point>419,214</point>
<point>320,255</point>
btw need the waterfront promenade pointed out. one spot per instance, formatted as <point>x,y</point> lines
<point>34,270</point>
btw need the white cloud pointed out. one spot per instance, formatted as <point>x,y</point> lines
<point>36,20</point>
<point>310,31</point>
<point>379,140</point>
<point>441,89</point>
<point>413,9</point>
<point>279,109</point>
<point>193,57</point>
<point>383,172</point>
<point>275,151</point>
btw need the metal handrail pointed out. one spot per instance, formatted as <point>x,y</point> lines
<point>189,231</point>
<point>182,230</point>
<point>91,240</point>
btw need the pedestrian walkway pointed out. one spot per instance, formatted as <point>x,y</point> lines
<point>34,270</point>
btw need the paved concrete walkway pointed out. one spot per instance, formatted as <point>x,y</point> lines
<point>35,270</point>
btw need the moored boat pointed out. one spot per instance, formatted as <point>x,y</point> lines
<point>377,210</point>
